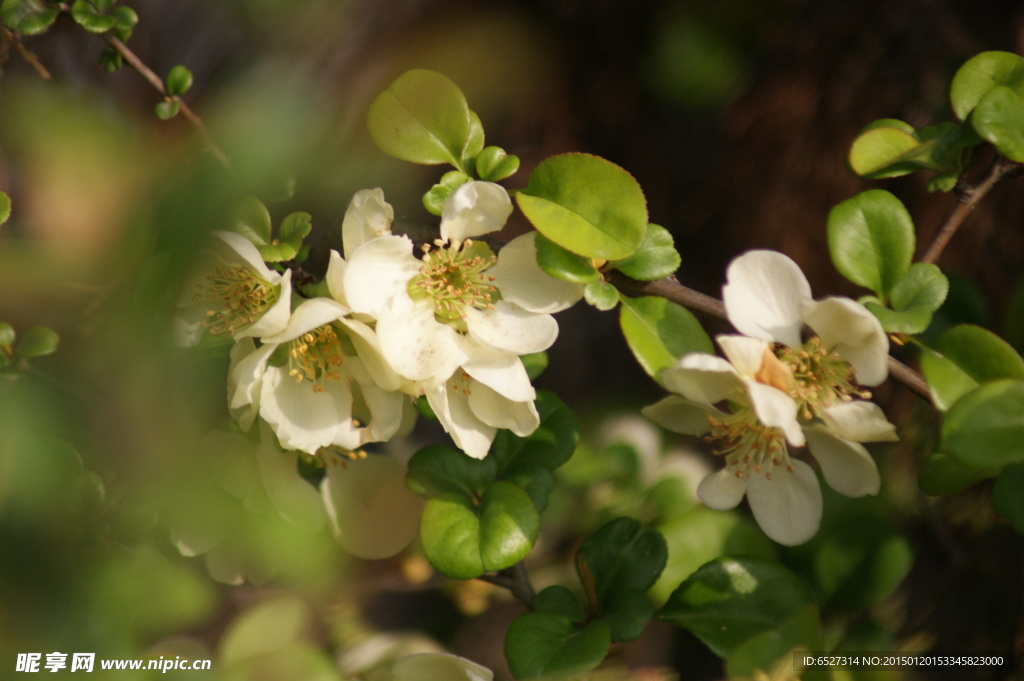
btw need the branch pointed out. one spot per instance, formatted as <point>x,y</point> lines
<point>155,80</point>
<point>516,580</point>
<point>26,54</point>
<point>967,198</point>
<point>672,290</point>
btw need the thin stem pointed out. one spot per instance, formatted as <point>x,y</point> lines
<point>672,290</point>
<point>26,54</point>
<point>967,198</point>
<point>154,80</point>
<point>516,580</point>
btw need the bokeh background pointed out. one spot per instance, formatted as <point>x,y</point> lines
<point>735,117</point>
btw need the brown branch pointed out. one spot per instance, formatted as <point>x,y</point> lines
<point>516,580</point>
<point>967,198</point>
<point>25,53</point>
<point>672,290</point>
<point>155,80</point>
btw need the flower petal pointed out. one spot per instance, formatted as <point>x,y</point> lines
<point>367,346</point>
<point>243,252</point>
<point>473,209</point>
<point>335,277</point>
<point>521,280</point>
<point>681,415</point>
<point>722,490</point>
<point>500,371</point>
<point>745,353</point>
<point>386,407</point>
<point>274,320</point>
<point>787,507</point>
<point>367,217</point>
<point>311,314</point>
<point>438,667</point>
<point>245,380</point>
<point>703,378</point>
<point>496,410</point>
<point>510,328</point>
<point>294,498</point>
<point>847,466</point>
<point>372,512</point>
<point>776,409</point>
<point>378,271</point>
<point>415,344</point>
<point>859,421</point>
<point>451,406</point>
<point>856,335</point>
<point>304,419</point>
<point>764,294</point>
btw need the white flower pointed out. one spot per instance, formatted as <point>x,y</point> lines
<point>311,389</point>
<point>438,667</point>
<point>778,393</point>
<point>373,514</point>
<point>233,293</point>
<point>453,324</point>
<point>459,290</point>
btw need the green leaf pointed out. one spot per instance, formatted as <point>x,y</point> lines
<point>253,221</point>
<point>587,205</point>
<point>295,227</point>
<point>36,342</point>
<point>126,17</point>
<point>941,475</point>
<point>475,143</point>
<point>5,207</point>
<point>859,562</point>
<point>167,110</point>
<point>656,258</point>
<point>801,631</point>
<point>924,286</point>
<point>562,264</point>
<point>730,600</point>
<point>1008,496</point>
<point>558,600</point>
<point>178,81</point>
<point>980,74</point>
<point>7,336</point>
<point>535,480</point>
<point>268,627</point>
<point>422,117</point>
<point>702,534</point>
<point>617,565</point>
<point>999,119</point>
<point>985,427</point>
<point>915,298</point>
<point>463,541</point>
<point>962,358</point>
<point>549,446</point>
<point>884,152</point>
<point>871,240</point>
<point>539,644</point>
<point>659,332</point>
<point>110,60</point>
<point>437,195</point>
<point>28,17</point>
<point>86,16</point>
<point>601,295</point>
<point>278,252</point>
<point>535,363</point>
<point>493,164</point>
<point>437,469</point>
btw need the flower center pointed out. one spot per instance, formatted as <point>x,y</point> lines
<point>820,378</point>
<point>315,356</point>
<point>234,298</point>
<point>749,446</point>
<point>453,277</point>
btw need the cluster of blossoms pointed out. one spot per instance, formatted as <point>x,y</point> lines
<point>773,391</point>
<point>340,371</point>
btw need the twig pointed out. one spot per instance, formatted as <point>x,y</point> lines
<point>26,54</point>
<point>672,290</point>
<point>154,80</point>
<point>516,580</point>
<point>969,197</point>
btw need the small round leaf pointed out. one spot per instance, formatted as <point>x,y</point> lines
<point>539,644</point>
<point>985,428</point>
<point>167,110</point>
<point>28,17</point>
<point>86,16</point>
<point>980,74</point>
<point>659,332</point>
<point>178,81</point>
